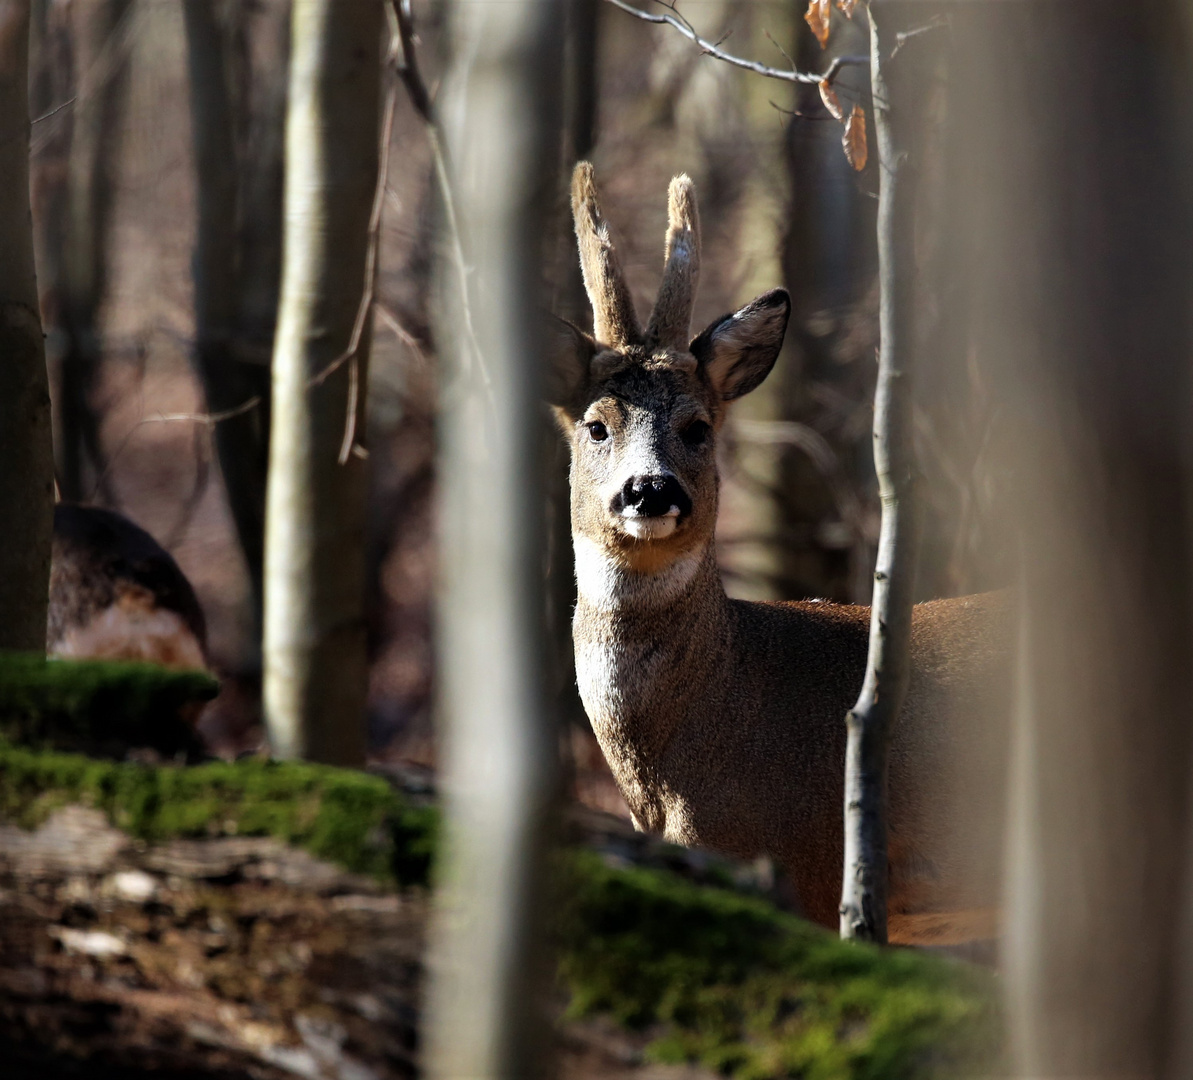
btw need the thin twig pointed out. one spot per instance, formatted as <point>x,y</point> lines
<point>353,404</point>
<point>208,420</point>
<point>685,28</point>
<point>405,61</point>
<point>55,110</point>
<point>903,38</point>
<point>366,297</point>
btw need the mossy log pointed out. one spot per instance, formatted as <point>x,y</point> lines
<point>101,707</point>
<point>266,919</point>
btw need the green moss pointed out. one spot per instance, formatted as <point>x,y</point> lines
<point>752,992</point>
<point>99,706</point>
<point>717,977</point>
<point>350,818</point>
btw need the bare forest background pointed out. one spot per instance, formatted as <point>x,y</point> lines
<point>152,343</point>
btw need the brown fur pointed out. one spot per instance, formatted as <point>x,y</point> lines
<point>115,593</point>
<point>723,721</point>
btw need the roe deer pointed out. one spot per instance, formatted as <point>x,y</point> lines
<point>723,720</point>
<point>116,594</point>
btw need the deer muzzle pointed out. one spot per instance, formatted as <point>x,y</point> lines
<point>650,506</point>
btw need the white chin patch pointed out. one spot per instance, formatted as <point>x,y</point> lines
<point>649,528</point>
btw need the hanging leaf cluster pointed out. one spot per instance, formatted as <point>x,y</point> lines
<point>854,138</point>
<point>819,14</point>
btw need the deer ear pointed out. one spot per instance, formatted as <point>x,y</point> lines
<point>568,352</point>
<point>737,351</point>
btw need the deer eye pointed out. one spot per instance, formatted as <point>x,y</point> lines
<point>597,431</point>
<point>695,433</point>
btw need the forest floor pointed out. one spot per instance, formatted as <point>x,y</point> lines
<point>268,920</point>
<point>222,957</point>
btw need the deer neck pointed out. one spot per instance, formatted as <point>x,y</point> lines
<point>649,648</point>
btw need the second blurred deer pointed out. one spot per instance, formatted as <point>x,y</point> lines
<point>117,594</point>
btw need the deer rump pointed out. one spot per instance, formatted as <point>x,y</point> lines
<point>116,594</point>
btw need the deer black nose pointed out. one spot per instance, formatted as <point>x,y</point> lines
<point>655,496</point>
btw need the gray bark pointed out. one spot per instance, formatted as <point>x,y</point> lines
<point>315,665</point>
<point>26,453</point>
<point>1077,266</point>
<point>864,890</point>
<point>500,745</point>
<point>99,87</point>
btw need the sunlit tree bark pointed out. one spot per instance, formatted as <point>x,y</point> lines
<point>26,454</point>
<point>315,672</point>
<point>869,723</point>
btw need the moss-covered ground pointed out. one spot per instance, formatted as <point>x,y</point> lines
<point>712,976</point>
<point>100,706</point>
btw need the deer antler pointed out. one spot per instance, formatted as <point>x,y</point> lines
<point>614,320</point>
<point>672,314</point>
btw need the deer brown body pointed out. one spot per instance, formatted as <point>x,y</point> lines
<point>116,594</point>
<point>723,720</point>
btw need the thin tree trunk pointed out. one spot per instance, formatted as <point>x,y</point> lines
<point>315,670</point>
<point>26,451</point>
<point>500,742</point>
<point>99,86</point>
<point>864,890</point>
<point>228,382</point>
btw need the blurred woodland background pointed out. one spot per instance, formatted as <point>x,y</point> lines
<point>157,207</point>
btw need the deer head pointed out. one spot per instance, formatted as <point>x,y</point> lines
<point>643,408</point>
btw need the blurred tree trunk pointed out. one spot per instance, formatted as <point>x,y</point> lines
<point>579,138</point>
<point>99,88</point>
<point>314,648</point>
<point>222,273</point>
<point>500,743</point>
<point>1078,272</point>
<point>829,262</point>
<point>26,451</point>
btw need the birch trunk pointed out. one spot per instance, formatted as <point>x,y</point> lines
<point>500,744</point>
<point>26,453</point>
<point>315,670</point>
<point>864,891</point>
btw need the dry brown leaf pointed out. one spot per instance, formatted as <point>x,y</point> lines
<point>854,139</point>
<point>817,17</point>
<point>847,7</point>
<point>831,102</point>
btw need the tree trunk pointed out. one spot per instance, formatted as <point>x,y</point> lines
<point>1078,272</point>
<point>99,86</point>
<point>315,671</point>
<point>864,891</point>
<point>500,742</point>
<point>26,452</point>
<point>228,381</point>
<point>571,301</point>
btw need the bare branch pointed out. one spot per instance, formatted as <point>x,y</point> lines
<point>208,420</point>
<point>404,58</point>
<point>55,110</point>
<point>903,38</point>
<point>684,27</point>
